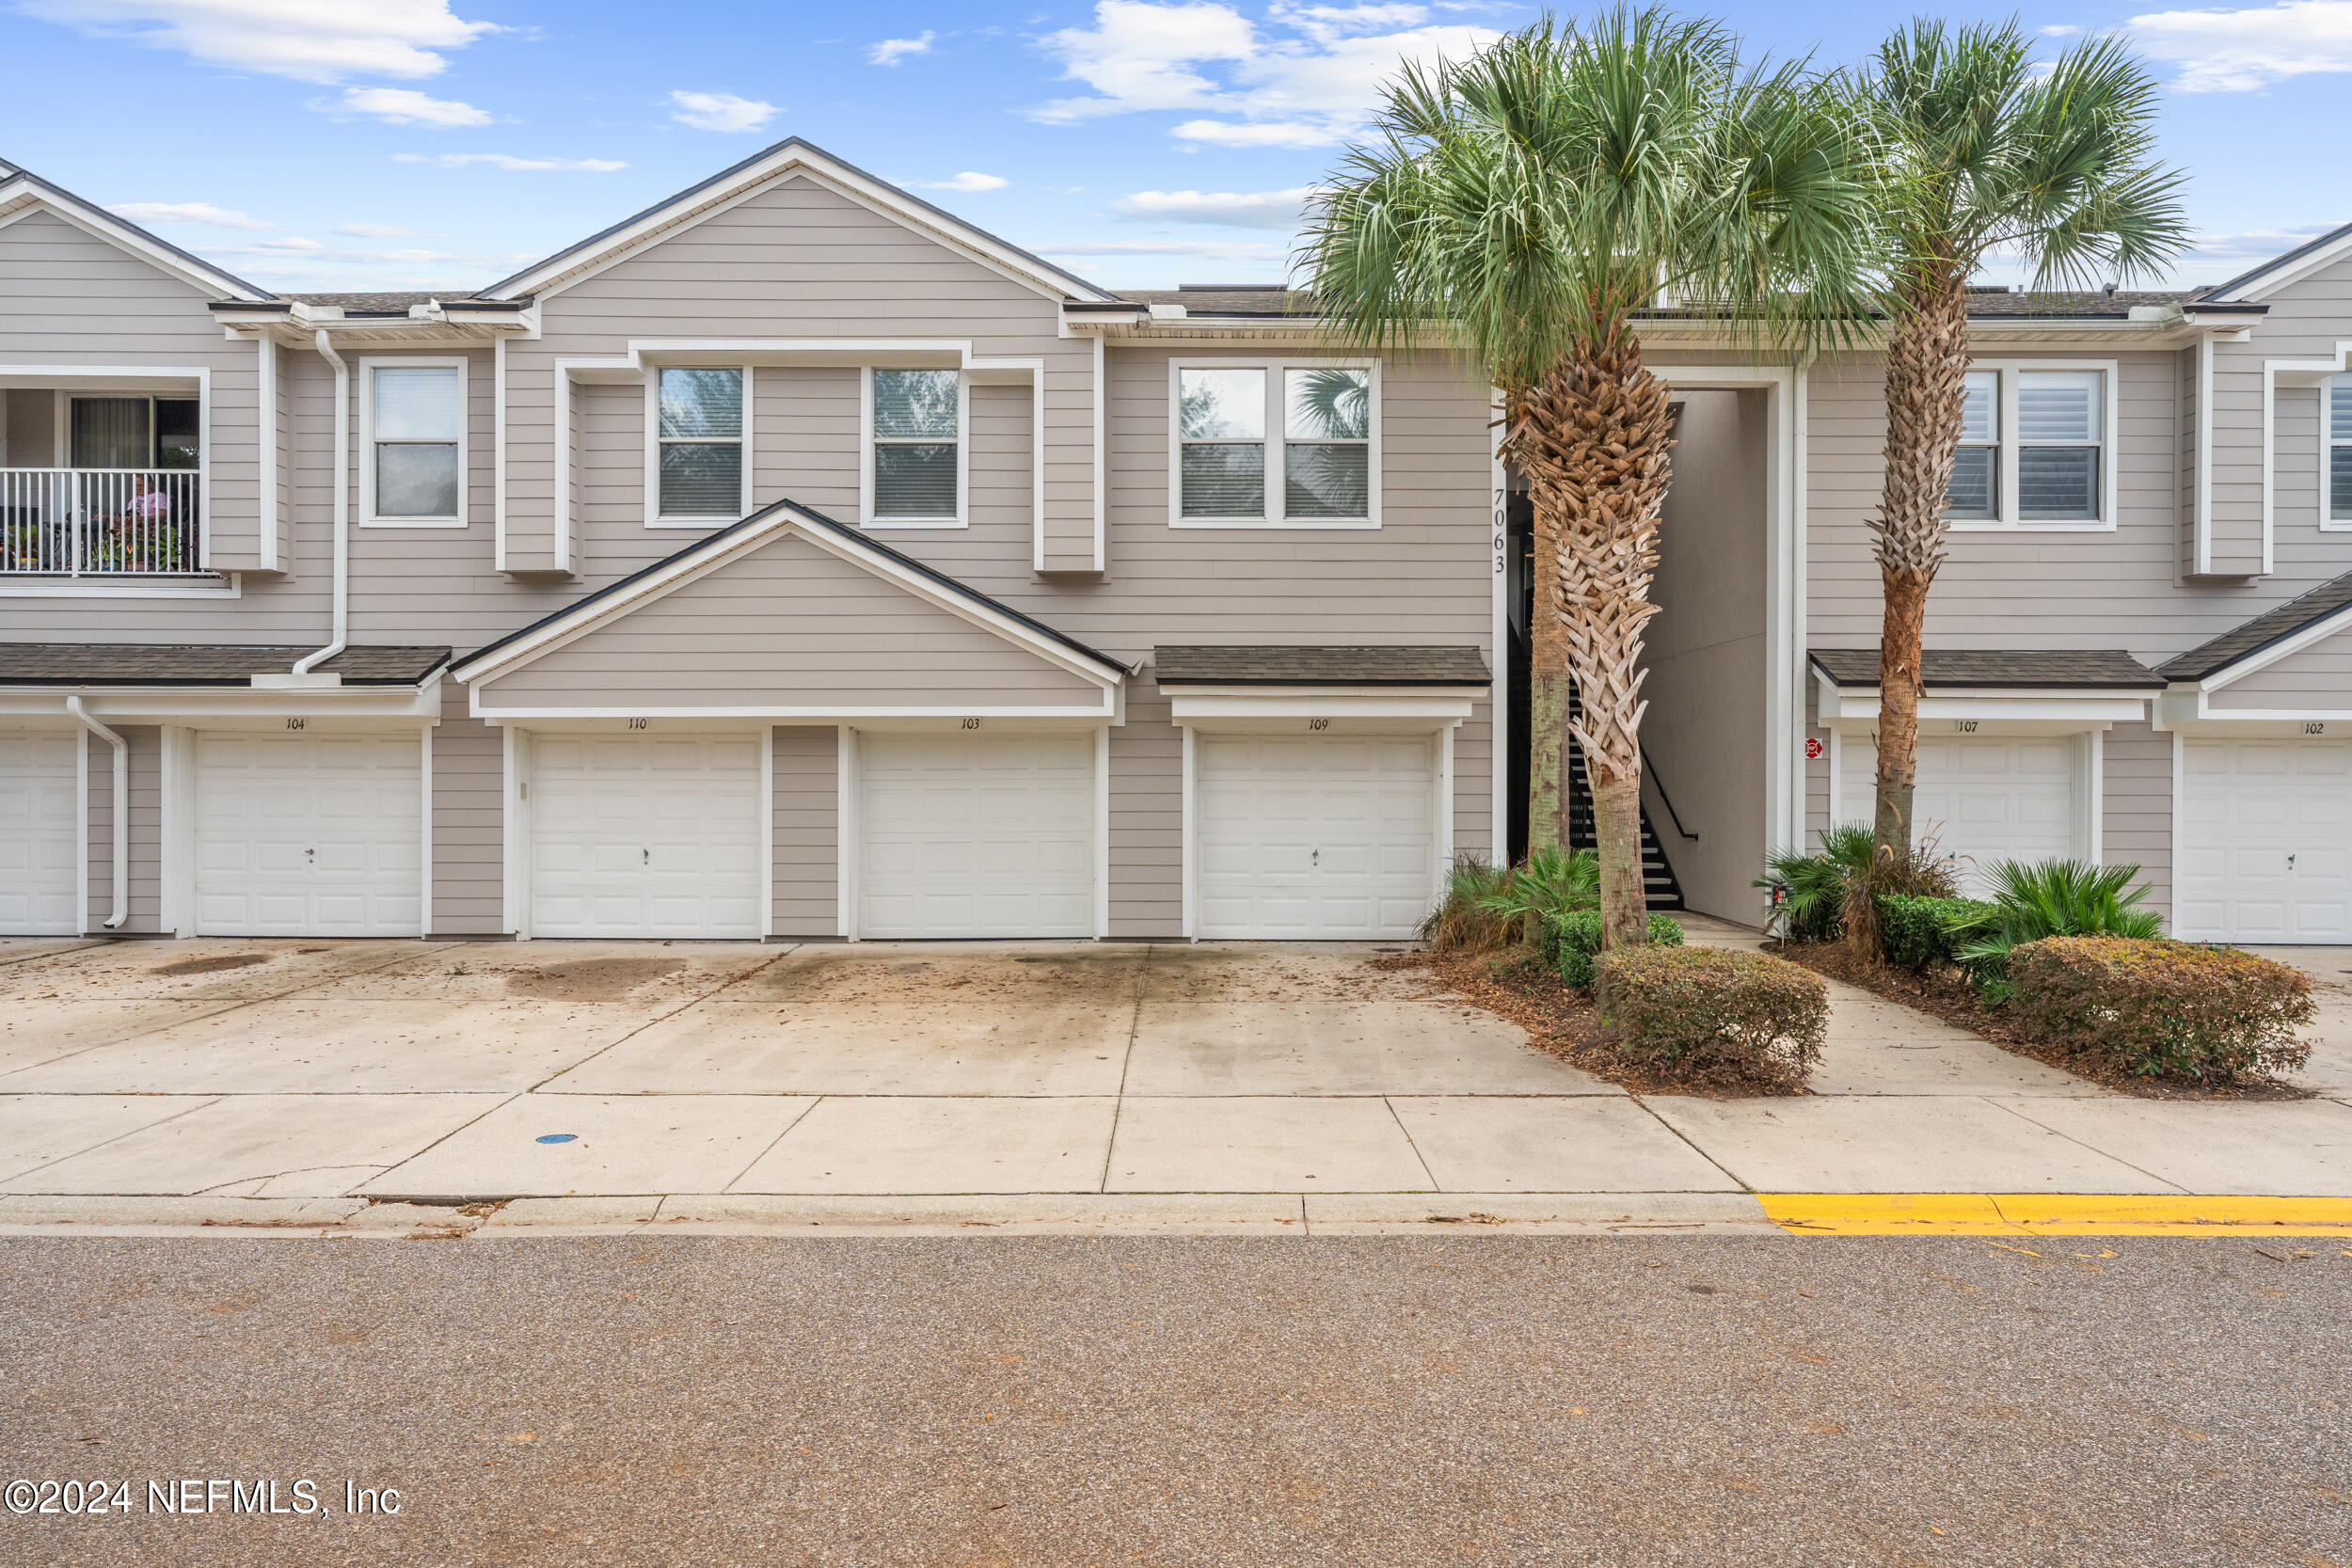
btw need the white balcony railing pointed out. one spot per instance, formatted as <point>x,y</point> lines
<point>99,522</point>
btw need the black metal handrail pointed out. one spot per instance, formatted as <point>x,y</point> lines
<point>1666,800</point>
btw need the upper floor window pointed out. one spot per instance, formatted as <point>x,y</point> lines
<point>415,422</point>
<point>134,432</point>
<point>2338,420</point>
<point>699,434</point>
<point>914,454</point>
<point>2033,449</point>
<point>1323,468</point>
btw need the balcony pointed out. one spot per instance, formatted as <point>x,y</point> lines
<point>100,522</point>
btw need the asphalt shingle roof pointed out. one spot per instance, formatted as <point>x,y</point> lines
<point>1189,665</point>
<point>395,302</point>
<point>2251,637</point>
<point>207,664</point>
<point>1968,667</point>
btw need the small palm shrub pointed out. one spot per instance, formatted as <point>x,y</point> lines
<point>1832,892</point>
<point>2163,1009</point>
<point>1550,882</point>
<point>1461,922</point>
<point>1712,1012</point>
<point>1572,940</point>
<point>2036,900</point>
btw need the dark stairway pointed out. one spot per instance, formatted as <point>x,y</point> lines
<point>1659,885</point>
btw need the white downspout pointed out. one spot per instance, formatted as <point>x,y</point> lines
<point>343,506</point>
<point>121,904</point>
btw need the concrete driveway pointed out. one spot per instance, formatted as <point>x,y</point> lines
<point>1235,1079</point>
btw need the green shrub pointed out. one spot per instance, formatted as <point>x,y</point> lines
<point>2036,900</point>
<point>1571,941</point>
<point>1833,891</point>
<point>1715,1013</point>
<point>1918,933</point>
<point>2161,1008</point>
<point>1461,920</point>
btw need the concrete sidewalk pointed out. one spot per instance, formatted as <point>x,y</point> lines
<point>1063,1085</point>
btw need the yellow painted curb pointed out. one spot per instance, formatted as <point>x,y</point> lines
<point>2053,1215</point>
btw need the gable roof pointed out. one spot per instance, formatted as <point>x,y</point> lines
<point>21,189</point>
<point>617,598</point>
<point>2280,271</point>
<point>794,155</point>
<point>203,664</point>
<point>2261,634</point>
<point>2037,669</point>
<point>1286,665</point>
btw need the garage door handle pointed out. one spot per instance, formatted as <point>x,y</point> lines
<point>2290,863</point>
<point>313,855</point>
<point>647,854</point>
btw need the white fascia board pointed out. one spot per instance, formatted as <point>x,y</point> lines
<point>564,269</point>
<point>169,704</point>
<point>2284,273</point>
<point>2286,647</point>
<point>924,715</point>
<point>1862,704</point>
<point>1445,705</point>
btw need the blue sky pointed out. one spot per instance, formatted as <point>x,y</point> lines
<point>355,144</point>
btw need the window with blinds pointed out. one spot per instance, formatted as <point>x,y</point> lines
<point>2060,427</point>
<point>918,433</point>
<point>419,421</point>
<point>700,435</point>
<point>1975,492</point>
<point>1221,423</point>
<point>1273,444</point>
<point>2338,393</point>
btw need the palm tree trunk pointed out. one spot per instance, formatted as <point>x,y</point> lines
<point>1593,442</point>
<point>1548,781</point>
<point>1927,382</point>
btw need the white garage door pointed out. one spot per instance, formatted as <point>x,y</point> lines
<point>976,835</point>
<point>37,837</point>
<point>313,835</point>
<point>646,835</point>
<point>2266,841</point>
<point>1313,837</point>
<point>1986,798</point>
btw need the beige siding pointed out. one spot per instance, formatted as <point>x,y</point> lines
<point>807,827</point>
<point>146,833</point>
<point>1147,818</point>
<point>2316,677</point>
<point>792,626</point>
<point>1817,773</point>
<point>1474,783</point>
<point>469,836</point>
<point>2136,768</point>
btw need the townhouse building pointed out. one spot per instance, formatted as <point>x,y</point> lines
<point>796,560</point>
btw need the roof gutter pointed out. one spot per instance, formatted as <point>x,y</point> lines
<point>302,672</point>
<point>119,905</point>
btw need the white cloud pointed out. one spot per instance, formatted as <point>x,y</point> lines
<point>1218,250</point>
<point>1232,208</point>
<point>406,106</point>
<point>311,40</point>
<point>969,180</point>
<point>509,161</point>
<point>2060,30</point>
<point>292,244</point>
<point>1220,133</point>
<point>891,51</point>
<point>2239,51</point>
<point>1301,76</point>
<point>184,214</point>
<point>375,230</point>
<point>2255,244</point>
<point>720,111</point>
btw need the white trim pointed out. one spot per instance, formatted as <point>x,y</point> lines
<point>1102,458</point>
<point>272,452</point>
<point>1190,828</point>
<point>561,272</point>
<point>425,836</point>
<point>1441,809</point>
<point>227,586</point>
<point>1835,802</point>
<point>844,817</point>
<point>368,365</point>
<point>2011,441</point>
<point>2315,373</point>
<point>95,221</point>
<point>176,854</point>
<point>376,707</point>
<point>2284,273</point>
<point>81,832</point>
<point>2201,557</point>
<point>653,516</point>
<point>498,454</point>
<point>2179,810</point>
<point>693,564</point>
<point>963,518</point>
<point>767,831</point>
<point>2093,767</point>
<point>1102,832</point>
<point>2329,438</point>
<point>1386,709</point>
<point>516,764</point>
<point>1499,641</point>
<point>1276,437</point>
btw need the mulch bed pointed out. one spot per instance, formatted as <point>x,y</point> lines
<point>1561,1020</point>
<point>1956,1003</point>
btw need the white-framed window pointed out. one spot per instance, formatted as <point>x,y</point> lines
<point>698,467</point>
<point>916,459</point>
<point>2036,448</point>
<point>2336,435</point>
<point>413,447</point>
<point>1273,443</point>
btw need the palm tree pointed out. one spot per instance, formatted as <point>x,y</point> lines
<point>1979,150</point>
<point>1524,206</point>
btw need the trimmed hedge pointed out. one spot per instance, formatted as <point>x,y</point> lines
<point>1715,1013</point>
<point>1571,941</point>
<point>2163,1009</point>
<point>1917,933</point>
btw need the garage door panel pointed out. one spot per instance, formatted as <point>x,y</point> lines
<point>2266,841</point>
<point>41,812</point>
<point>1314,836</point>
<point>647,836</point>
<point>986,835</point>
<point>310,835</point>
<point>1987,799</point>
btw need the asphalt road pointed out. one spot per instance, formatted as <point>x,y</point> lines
<point>968,1402</point>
